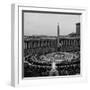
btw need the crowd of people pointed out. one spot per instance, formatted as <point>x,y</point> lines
<point>34,67</point>
<point>31,70</point>
<point>69,68</point>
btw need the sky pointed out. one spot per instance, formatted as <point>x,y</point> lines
<point>46,24</point>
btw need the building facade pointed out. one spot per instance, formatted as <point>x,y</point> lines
<point>48,44</point>
<point>78,29</point>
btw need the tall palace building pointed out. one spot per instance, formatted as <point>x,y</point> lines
<point>49,44</point>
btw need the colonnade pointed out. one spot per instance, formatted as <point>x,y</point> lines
<point>39,43</point>
<point>52,43</point>
<point>70,42</point>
